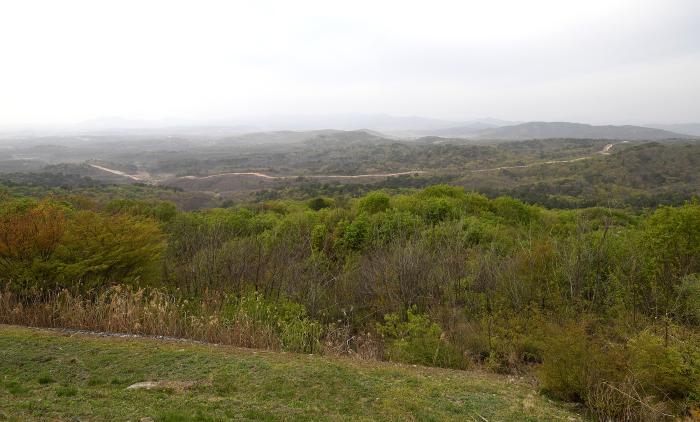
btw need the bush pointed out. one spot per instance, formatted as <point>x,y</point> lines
<point>354,236</point>
<point>572,363</point>
<point>688,294</point>
<point>663,371</point>
<point>513,211</point>
<point>319,203</point>
<point>45,247</point>
<point>437,210</point>
<point>287,320</point>
<point>393,225</point>
<point>374,202</point>
<point>642,379</point>
<point>417,340</point>
<point>96,250</point>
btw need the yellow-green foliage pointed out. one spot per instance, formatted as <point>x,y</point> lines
<point>606,301</point>
<point>48,246</point>
<point>414,338</point>
<point>288,321</point>
<point>642,378</point>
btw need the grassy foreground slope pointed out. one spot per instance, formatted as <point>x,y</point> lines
<point>47,375</point>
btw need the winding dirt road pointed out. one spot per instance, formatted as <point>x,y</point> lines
<point>309,176</point>
<point>145,177</point>
<point>605,151</point>
<point>117,172</point>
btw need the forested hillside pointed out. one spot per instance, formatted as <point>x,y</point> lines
<point>601,305</point>
<point>558,173</point>
<point>643,175</point>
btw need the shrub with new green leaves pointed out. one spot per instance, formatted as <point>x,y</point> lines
<point>318,237</point>
<point>644,379</point>
<point>393,225</point>
<point>354,235</point>
<point>437,210</point>
<point>672,239</point>
<point>664,371</point>
<point>320,203</point>
<point>374,202</point>
<point>289,322</point>
<point>688,294</point>
<point>443,191</point>
<point>414,338</point>
<point>513,211</point>
<point>572,364</point>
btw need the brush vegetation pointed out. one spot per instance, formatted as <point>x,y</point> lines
<point>601,306</point>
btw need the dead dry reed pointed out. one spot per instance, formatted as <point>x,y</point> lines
<point>139,311</point>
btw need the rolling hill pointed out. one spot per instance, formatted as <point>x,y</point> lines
<point>545,130</point>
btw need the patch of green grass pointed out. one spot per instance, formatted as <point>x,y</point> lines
<point>210,383</point>
<point>16,389</point>
<point>180,416</point>
<point>66,392</point>
<point>45,379</point>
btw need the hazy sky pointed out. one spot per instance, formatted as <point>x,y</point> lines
<point>596,61</point>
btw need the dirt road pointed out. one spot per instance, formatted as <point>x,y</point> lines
<point>146,178</point>
<point>118,172</point>
<point>605,151</point>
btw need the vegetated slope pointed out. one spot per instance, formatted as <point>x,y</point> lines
<point>67,187</point>
<point>47,374</point>
<point>86,170</point>
<point>545,130</point>
<point>322,157</point>
<point>645,175</point>
<point>49,180</point>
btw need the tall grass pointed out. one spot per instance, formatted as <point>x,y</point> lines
<point>247,321</point>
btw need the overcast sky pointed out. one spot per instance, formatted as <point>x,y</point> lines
<point>595,61</point>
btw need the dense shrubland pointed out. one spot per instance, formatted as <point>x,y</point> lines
<point>602,305</point>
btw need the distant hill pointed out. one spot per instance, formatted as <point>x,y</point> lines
<point>684,128</point>
<point>544,130</point>
<point>287,137</point>
<point>463,130</point>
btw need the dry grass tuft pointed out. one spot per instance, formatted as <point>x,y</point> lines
<point>138,311</point>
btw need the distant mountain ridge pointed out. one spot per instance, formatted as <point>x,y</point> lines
<point>683,128</point>
<point>458,130</point>
<point>383,125</point>
<point>544,130</point>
